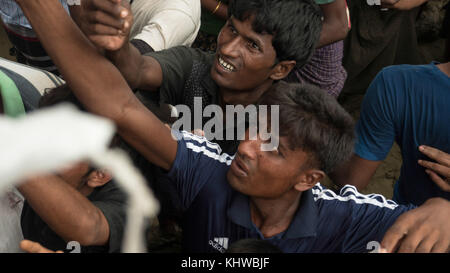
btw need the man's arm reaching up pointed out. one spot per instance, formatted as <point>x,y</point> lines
<point>107,24</point>
<point>97,83</point>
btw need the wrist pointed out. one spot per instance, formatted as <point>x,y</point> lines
<point>219,3</point>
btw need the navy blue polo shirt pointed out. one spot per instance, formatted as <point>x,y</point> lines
<point>216,215</point>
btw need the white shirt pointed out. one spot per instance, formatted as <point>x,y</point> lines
<point>166,23</point>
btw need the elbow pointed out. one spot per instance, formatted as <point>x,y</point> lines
<point>91,232</point>
<point>343,30</point>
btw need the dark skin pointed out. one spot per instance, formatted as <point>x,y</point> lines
<point>107,94</point>
<point>402,4</point>
<point>144,72</point>
<point>78,219</point>
<point>211,5</point>
<point>334,24</point>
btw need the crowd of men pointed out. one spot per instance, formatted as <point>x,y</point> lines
<point>134,64</point>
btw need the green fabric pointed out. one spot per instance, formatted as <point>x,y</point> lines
<point>211,24</point>
<point>12,101</point>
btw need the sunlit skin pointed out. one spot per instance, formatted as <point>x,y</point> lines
<point>251,61</point>
<point>268,174</point>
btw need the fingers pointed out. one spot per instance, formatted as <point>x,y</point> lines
<point>427,244</point>
<point>395,234</point>
<point>441,169</point>
<point>111,43</point>
<point>33,247</point>
<point>105,17</point>
<point>417,235</point>
<point>101,18</point>
<point>443,184</point>
<point>435,154</point>
<point>111,7</point>
<point>198,132</point>
<point>441,246</point>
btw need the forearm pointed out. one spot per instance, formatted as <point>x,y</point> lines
<point>97,83</point>
<point>213,6</point>
<point>402,4</point>
<point>335,23</point>
<point>332,33</point>
<point>129,61</point>
<point>66,211</point>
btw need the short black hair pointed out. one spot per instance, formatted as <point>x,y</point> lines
<point>314,122</point>
<point>60,94</point>
<point>294,24</point>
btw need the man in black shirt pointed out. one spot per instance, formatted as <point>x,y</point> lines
<point>80,204</point>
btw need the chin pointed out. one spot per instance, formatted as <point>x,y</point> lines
<point>235,182</point>
<point>221,80</point>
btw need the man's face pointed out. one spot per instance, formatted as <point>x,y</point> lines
<point>244,59</point>
<point>265,174</point>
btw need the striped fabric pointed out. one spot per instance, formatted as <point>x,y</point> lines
<point>12,14</point>
<point>31,82</point>
<point>27,48</point>
<point>324,69</point>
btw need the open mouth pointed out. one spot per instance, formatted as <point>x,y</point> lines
<point>240,166</point>
<point>226,66</point>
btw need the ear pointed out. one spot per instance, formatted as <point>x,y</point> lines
<point>98,178</point>
<point>282,69</point>
<point>309,179</point>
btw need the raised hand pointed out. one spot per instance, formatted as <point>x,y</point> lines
<point>106,23</point>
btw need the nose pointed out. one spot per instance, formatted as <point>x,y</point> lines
<point>230,47</point>
<point>249,149</point>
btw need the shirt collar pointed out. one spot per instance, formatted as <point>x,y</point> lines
<point>304,223</point>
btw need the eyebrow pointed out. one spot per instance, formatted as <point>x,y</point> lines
<point>255,40</point>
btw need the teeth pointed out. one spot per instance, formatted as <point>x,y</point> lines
<point>226,65</point>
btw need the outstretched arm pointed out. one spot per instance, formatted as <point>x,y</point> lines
<point>97,83</point>
<point>402,4</point>
<point>66,211</point>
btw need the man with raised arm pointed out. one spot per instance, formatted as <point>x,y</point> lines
<point>267,194</point>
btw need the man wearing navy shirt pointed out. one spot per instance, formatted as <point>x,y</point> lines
<point>273,195</point>
<point>266,194</point>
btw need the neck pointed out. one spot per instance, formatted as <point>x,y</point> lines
<point>445,68</point>
<point>274,216</point>
<point>243,97</point>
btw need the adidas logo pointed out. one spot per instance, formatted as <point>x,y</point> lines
<point>220,244</point>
